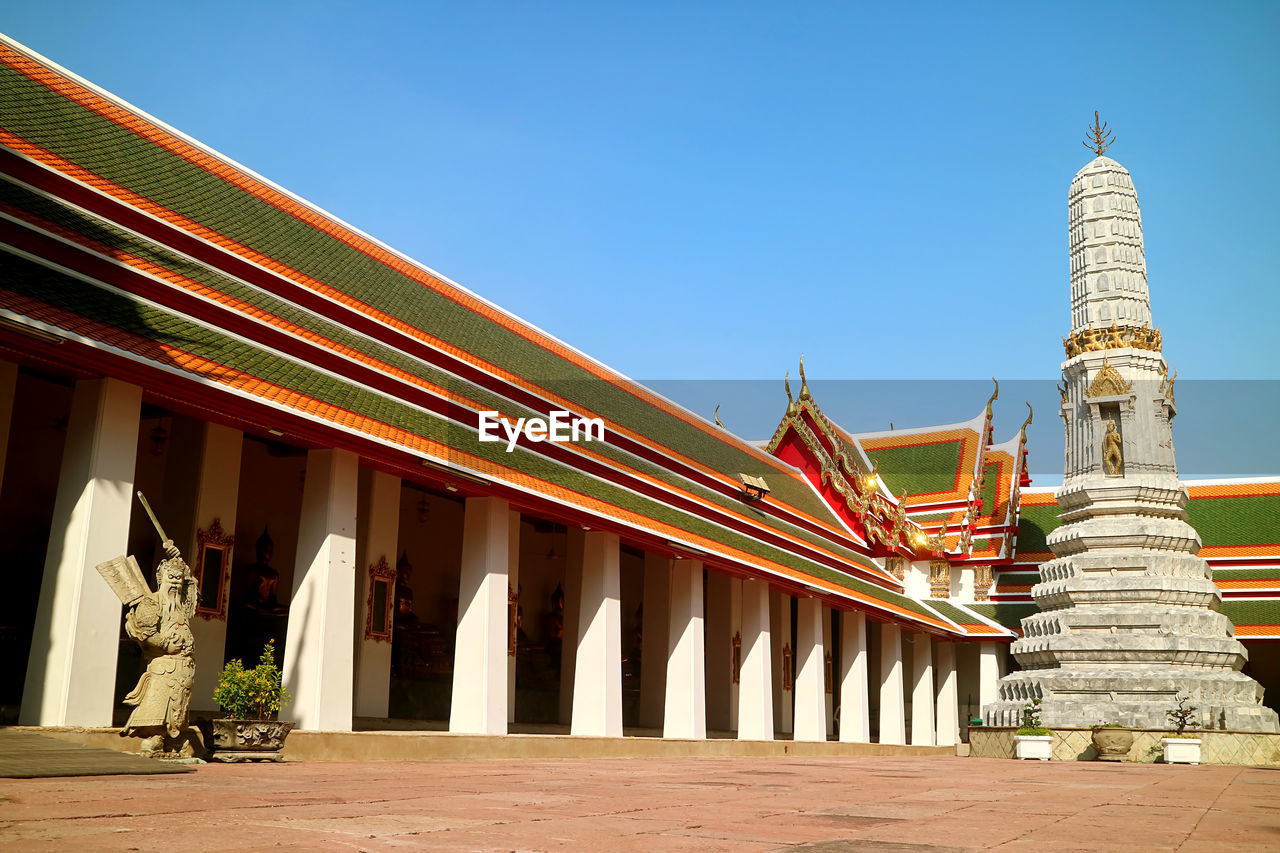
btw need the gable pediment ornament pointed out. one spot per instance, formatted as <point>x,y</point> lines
<point>1108,383</point>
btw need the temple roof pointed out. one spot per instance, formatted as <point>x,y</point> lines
<point>157,258</point>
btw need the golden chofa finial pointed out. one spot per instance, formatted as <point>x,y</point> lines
<point>995,395</point>
<point>1022,433</point>
<point>804,383</point>
<point>717,417</point>
<point>1099,139</point>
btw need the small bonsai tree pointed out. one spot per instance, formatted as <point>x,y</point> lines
<point>1183,717</point>
<point>252,694</point>
<point>1031,724</point>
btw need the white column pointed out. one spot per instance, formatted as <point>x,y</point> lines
<point>318,653</point>
<point>811,715</point>
<point>71,670</point>
<point>513,589</point>
<point>855,698</point>
<point>719,642</point>
<point>377,540</point>
<point>922,694</point>
<point>892,713</point>
<point>988,674</point>
<point>8,392</point>
<point>755,689</point>
<point>217,497</point>
<point>597,685</point>
<point>780,627</point>
<point>572,608</point>
<point>686,699</point>
<point>948,695</point>
<point>654,630</point>
<point>479,703</point>
<point>962,583</point>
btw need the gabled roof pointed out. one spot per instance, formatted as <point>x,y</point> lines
<point>932,465</point>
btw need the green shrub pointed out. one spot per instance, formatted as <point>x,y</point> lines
<point>1031,724</point>
<point>252,694</point>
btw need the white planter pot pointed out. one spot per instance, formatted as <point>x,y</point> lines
<point>1034,746</point>
<point>1181,750</point>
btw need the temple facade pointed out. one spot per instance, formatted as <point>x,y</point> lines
<point>363,463</point>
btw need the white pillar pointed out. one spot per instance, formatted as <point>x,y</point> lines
<point>217,497</point>
<point>719,640</point>
<point>755,688</point>
<point>811,715</point>
<point>513,591</point>
<point>8,392</point>
<point>597,685</point>
<point>780,628</point>
<point>71,670</point>
<point>922,694</point>
<point>892,713</point>
<point>377,541</point>
<point>572,609</point>
<point>318,653</point>
<point>686,698</point>
<point>855,698</point>
<point>654,631</point>
<point>962,582</point>
<point>948,695</point>
<point>479,703</point>
<point>988,674</point>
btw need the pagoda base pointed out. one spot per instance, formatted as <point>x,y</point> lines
<point>1136,697</point>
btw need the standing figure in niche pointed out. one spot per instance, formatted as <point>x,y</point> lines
<point>1112,456</point>
<point>257,616</point>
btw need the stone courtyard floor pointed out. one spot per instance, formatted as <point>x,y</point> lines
<point>735,804</point>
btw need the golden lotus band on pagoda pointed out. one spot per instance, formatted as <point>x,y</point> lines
<point>1115,337</point>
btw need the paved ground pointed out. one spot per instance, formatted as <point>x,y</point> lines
<point>739,804</point>
<point>27,755</point>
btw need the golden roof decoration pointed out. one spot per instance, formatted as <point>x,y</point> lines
<point>1099,138</point>
<point>995,395</point>
<point>1108,383</point>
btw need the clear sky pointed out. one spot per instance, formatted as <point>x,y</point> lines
<point>707,190</point>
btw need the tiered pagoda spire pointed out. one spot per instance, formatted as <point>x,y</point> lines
<point>1129,615</point>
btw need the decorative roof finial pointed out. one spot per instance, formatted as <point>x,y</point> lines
<point>1022,433</point>
<point>995,395</point>
<point>786,383</point>
<point>717,416</point>
<point>1099,138</point>
<point>804,383</point>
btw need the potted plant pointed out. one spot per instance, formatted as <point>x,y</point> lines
<point>251,698</point>
<point>1111,740</point>
<point>1033,740</point>
<point>1182,747</point>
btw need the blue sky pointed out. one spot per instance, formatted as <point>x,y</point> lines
<point>707,190</point>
